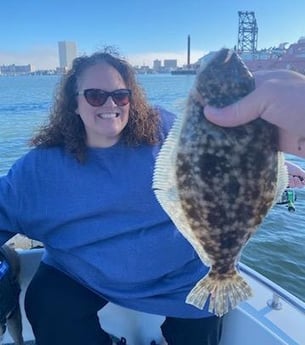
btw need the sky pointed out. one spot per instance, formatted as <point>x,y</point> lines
<point>141,30</point>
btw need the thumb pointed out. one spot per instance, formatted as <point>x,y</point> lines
<point>239,113</point>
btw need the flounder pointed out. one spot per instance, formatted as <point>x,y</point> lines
<point>217,184</point>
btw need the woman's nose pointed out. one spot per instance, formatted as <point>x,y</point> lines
<point>109,101</point>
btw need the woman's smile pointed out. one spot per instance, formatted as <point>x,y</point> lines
<point>109,115</point>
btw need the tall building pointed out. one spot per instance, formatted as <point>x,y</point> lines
<point>67,52</point>
<point>157,65</point>
<point>170,63</point>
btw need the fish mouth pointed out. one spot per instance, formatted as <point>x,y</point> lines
<point>107,116</point>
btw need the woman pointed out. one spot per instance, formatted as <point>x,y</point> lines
<point>85,191</point>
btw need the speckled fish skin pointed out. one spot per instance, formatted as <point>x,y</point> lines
<point>227,179</point>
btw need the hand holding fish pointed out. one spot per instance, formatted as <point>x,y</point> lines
<point>278,99</point>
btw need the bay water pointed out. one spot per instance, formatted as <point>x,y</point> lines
<point>277,250</point>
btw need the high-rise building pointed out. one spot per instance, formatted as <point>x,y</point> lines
<point>67,53</point>
<point>157,65</point>
<point>170,63</point>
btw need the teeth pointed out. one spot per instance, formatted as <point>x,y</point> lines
<point>108,115</point>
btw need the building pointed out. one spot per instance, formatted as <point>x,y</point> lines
<point>15,69</point>
<point>67,53</point>
<point>170,64</point>
<point>157,65</point>
<point>188,68</point>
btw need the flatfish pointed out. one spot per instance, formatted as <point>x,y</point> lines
<point>217,184</point>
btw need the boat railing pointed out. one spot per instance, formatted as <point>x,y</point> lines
<point>277,292</point>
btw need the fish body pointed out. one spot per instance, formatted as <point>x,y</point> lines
<point>10,314</point>
<point>217,184</point>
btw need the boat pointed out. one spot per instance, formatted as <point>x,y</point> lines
<point>183,71</point>
<point>272,316</point>
<point>281,57</point>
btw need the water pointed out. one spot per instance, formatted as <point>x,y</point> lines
<point>277,250</point>
<point>24,103</point>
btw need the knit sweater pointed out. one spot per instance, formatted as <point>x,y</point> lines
<point>102,225</point>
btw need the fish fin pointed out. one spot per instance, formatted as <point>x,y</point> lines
<point>165,187</point>
<point>282,177</point>
<point>225,294</point>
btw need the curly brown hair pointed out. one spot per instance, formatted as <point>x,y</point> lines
<point>66,129</point>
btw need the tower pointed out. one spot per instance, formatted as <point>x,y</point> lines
<point>247,32</point>
<point>188,51</point>
<point>67,53</point>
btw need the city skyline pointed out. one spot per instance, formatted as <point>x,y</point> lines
<point>142,31</point>
<point>67,51</point>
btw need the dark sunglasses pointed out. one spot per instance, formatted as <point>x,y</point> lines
<point>98,97</point>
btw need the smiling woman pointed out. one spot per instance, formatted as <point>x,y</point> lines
<point>85,192</point>
<point>103,117</point>
<point>85,116</point>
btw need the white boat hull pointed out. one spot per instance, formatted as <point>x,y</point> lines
<point>251,323</point>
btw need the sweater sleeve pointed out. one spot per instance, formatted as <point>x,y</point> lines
<point>167,120</point>
<point>8,207</point>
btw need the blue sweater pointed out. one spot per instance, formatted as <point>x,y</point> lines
<point>101,224</point>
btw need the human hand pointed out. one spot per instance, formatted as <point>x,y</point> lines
<point>279,98</point>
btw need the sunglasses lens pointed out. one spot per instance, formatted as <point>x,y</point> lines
<point>121,97</point>
<point>95,97</point>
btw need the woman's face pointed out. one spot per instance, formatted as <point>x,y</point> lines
<point>103,123</point>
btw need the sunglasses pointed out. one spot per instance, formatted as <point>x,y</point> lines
<point>98,97</point>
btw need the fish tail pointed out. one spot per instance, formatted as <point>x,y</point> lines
<point>225,294</point>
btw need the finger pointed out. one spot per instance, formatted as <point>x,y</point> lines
<point>239,113</point>
<point>290,143</point>
<point>262,76</point>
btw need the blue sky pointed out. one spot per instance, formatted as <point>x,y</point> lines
<point>141,30</point>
